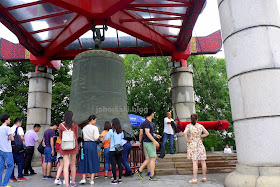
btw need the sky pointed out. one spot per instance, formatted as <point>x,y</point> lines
<point>207,23</point>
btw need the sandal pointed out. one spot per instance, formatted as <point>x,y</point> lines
<point>203,180</point>
<point>193,181</point>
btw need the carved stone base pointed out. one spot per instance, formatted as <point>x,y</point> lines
<point>247,176</point>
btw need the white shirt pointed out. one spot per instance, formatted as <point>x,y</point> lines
<point>227,150</point>
<point>20,130</point>
<point>90,133</point>
<point>167,127</point>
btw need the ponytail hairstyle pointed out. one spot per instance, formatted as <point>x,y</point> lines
<point>116,124</point>
<point>68,118</point>
<point>85,122</point>
<point>194,118</point>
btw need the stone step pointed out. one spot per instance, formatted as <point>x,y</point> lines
<point>184,171</point>
<point>170,171</point>
<point>181,171</point>
<point>164,165</point>
<point>185,159</point>
<point>220,163</point>
<point>164,159</point>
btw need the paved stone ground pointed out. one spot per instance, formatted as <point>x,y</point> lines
<point>214,180</point>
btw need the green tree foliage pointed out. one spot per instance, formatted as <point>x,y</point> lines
<point>61,91</point>
<point>14,89</point>
<point>148,86</point>
<point>212,97</point>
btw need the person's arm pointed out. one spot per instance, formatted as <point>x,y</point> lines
<point>147,131</point>
<point>96,134</point>
<point>186,134</point>
<point>21,134</point>
<point>107,136</point>
<point>140,135</point>
<point>11,137</point>
<point>157,136</point>
<point>22,138</point>
<point>166,121</point>
<point>37,139</point>
<point>52,145</point>
<point>205,133</point>
<point>76,131</point>
<point>140,138</point>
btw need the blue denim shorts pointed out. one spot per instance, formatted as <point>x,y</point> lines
<point>48,155</point>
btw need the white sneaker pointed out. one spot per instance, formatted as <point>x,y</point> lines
<point>88,178</point>
<point>83,182</point>
<point>63,181</point>
<point>57,182</point>
<point>92,182</point>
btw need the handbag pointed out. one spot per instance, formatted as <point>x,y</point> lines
<point>41,148</point>
<point>119,147</point>
<point>127,136</point>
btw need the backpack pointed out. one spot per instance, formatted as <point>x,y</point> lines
<point>68,139</point>
<point>17,144</point>
<point>174,127</point>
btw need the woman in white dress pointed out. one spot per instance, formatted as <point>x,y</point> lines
<point>196,149</point>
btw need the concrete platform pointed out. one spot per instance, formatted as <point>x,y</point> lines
<point>214,180</point>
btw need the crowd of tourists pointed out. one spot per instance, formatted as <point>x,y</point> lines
<point>71,152</point>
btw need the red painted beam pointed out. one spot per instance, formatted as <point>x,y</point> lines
<point>155,11</point>
<point>170,36</point>
<point>44,41</point>
<point>44,17</point>
<point>209,125</point>
<point>150,19</point>
<point>160,5</point>
<point>98,9</point>
<point>185,34</point>
<point>24,37</point>
<point>113,6</point>
<point>141,51</point>
<point>81,45</point>
<point>80,7</point>
<point>181,1</point>
<point>24,5</point>
<point>140,30</point>
<point>77,27</point>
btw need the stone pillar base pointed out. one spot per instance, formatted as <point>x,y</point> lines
<point>182,100</point>
<point>39,106</point>
<point>248,176</point>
